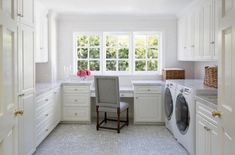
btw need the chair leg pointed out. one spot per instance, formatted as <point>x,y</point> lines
<point>118,120</point>
<point>105,117</point>
<point>97,118</point>
<point>127,116</point>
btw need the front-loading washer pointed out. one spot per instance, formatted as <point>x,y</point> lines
<point>185,118</point>
<point>169,106</point>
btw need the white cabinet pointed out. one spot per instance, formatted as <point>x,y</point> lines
<point>47,114</point>
<point>41,25</point>
<point>76,103</point>
<point>25,12</point>
<point>197,31</point>
<point>26,125</point>
<point>208,131</point>
<point>26,88</point>
<point>147,104</point>
<point>26,58</point>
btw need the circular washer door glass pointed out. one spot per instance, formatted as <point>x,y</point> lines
<point>182,114</point>
<point>168,103</point>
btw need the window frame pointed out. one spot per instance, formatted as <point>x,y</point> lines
<point>129,34</point>
<point>160,52</point>
<point>75,47</point>
<point>131,59</point>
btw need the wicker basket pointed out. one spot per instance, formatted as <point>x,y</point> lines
<point>173,73</point>
<point>211,76</point>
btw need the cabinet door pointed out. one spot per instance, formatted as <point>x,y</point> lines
<point>180,39</point>
<point>199,34</point>
<point>26,124</point>
<point>207,29</point>
<point>147,108</point>
<point>26,10</point>
<point>26,59</point>
<point>201,136</point>
<point>214,140</point>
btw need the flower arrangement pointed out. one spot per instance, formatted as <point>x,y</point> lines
<point>83,74</point>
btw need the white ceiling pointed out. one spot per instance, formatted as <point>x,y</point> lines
<point>135,7</point>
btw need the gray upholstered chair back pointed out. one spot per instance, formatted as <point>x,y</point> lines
<point>107,91</point>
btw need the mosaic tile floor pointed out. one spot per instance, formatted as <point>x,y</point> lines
<point>74,139</point>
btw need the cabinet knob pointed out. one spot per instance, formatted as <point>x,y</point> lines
<point>19,112</point>
<point>206,128</point>
<point>21,95</point>
<point>75,100</point>
<point>76,114</point>
<point>46,115</point>
<point>212,42</point>
<point>216,114</point>
<point>192,46</point>
<point>46,100</point>
<point>20,15</point>
<point>47,130</point>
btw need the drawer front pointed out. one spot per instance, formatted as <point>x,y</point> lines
<point>75,100</point>
<point>44,109</point>
<point>76,89</point>
<point>147,89</point>
<point>206,112</point>
<point>44,100</point>
<point>76,114</point>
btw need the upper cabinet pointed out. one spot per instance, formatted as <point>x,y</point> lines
<point>197,31</point>
<point>25,12</point>
<point>41,25</point>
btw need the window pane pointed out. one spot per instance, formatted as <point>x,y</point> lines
<point>111,41</point>
<point>82,64</point>
<point>140,65</point>
<point>140,53</point>
<point>123,65</point>
<point>123,53</point>
<point>140,40</point>
<point>111,53</point>
<point>111,65</point>
<point>152,65</point>
<point>153,53</point>
<point>152,40</point>
<point>123,40</point>
<point>94,65</point>
<point>94,40</point>
<point>94,53</point>
<point>82,40</point>
<point>82,53</point>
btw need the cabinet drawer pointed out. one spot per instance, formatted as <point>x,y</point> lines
<point>76,114</point>
<point>206,112</point>
<point>76,89</point>
<point>75,100</point>
<point>44,100</point>
<point>147,89</point>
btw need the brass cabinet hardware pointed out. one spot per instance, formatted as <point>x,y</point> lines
<point>19,112</point>
<point>216,114</point>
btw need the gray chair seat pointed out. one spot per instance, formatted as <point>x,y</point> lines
<point>123,107</point>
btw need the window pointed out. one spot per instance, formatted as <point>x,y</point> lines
<point>117,52</point>
<point>146,55</point>
<point>88,51</point>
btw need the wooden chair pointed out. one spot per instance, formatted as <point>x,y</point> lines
<point>108,101</point>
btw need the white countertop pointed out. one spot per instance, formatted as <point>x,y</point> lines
<point>193,83</point>
<point>147,82</point>
<point>44,87</point>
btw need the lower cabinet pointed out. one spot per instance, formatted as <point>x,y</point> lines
<point>26,124</point>
<point>47,114</point>
<point>208,141</point>
<point>76,103</point>
<point>147,104</point>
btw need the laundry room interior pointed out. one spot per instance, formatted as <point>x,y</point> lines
<point>117,77</point>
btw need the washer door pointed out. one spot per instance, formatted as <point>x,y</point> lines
<point>168,104</point>
<point>182,114</point>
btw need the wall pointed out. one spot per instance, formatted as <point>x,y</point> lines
<point>199,70</point>
<point>68,24</point>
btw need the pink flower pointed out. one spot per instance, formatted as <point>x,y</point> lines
<point>84,73</point>
<point>88,72</point>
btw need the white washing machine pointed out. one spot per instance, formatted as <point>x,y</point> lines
<point>185,118</point>
<point>169,106</point>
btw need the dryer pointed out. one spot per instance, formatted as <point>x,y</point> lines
<point>169,106</point>
<point>185,118</point>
